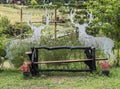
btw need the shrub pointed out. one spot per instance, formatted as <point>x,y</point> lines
<point>0,60</point>
<point>4,24</point>
<point>33,2</point>
<point>2,54</point>
<point>18,53</point>
<point>17,29</point>
<point>18,61</point>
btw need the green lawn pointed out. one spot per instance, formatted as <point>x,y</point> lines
<point>10,79</point>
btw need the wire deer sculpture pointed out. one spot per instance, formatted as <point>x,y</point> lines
<point>102,43</point>
<point>35,38</point>
<point>36,30</point>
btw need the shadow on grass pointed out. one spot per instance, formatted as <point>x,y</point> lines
<point>64,74</point>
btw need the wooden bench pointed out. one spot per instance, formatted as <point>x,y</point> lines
<point>89,51</point>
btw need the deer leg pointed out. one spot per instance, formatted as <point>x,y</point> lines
<point>107,54</point>
<point>111,54</point>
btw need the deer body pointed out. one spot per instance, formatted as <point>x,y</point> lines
<point>103,43</point>
<point>35,36</point>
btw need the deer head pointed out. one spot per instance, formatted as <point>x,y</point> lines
<point>77,24</point>
<point>81,27</point>
<point>34,27</point>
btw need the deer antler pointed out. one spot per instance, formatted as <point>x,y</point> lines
<point>71,16</point>
<point>71,19</point>
<point>91,16</point>
<point>28,20</point>
<point>41,27</point>
<point>44,2</point>
<point>47,18</point>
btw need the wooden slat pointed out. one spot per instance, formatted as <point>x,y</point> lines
<point>100,59</point>
<point>28,52</point>
<point>62,47</point>
<point>68,61</point>
<point>62,61</point>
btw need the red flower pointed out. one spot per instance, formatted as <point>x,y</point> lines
<point>25,67</point>
<point>105,65</point>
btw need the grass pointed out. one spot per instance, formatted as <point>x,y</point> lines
<point>12,79</point>
<point>14,14</point>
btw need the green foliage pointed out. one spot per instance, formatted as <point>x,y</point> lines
<point>63,54</point>
<point>41,6</point>
<point>21,28</point>
<point>18,52</point>
<point>0,60</point>
<point>2,41</point>
<point>118,14</point>
<point>64,10</point>
<point>17,29</point>
<point>108,14</point>
<point>28,2</point>
<point>33,2</point>
<point>7,31</point>
<point>18,60</point>
<point>4,24</point>
<point>2,52</point>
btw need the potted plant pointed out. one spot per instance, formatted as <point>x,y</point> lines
<point>105,68</point>
<point>25,68</point>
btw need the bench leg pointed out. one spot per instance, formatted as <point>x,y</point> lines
<point>89,53</point>
<point>33,70</point>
